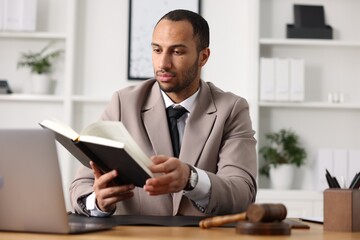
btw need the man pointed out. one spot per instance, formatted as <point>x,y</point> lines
<point>216,170</point>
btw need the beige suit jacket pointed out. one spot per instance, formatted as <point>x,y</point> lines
<point>218,138</point>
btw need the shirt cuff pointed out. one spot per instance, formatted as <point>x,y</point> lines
<point>93,208</point>
<point>201,193</point>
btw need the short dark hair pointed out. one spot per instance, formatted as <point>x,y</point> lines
<point>199,25</point>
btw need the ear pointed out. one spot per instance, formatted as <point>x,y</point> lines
<point>204,56</point>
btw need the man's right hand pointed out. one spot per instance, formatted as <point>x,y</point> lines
<point>107,194</point>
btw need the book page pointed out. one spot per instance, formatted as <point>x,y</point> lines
<point>60,128</point>
<point>116,131</point>
<point>101,141</point>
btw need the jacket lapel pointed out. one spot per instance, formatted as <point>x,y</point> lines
<point>198,127</point>
<point>155,122</point>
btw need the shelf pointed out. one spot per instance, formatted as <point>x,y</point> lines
<point>90,99</point>
<point>33,35</point>
<point>266,193</point>
<point>323,105</point>
<point>309,42</point>
<point>31,98</point>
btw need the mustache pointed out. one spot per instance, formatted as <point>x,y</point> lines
<point>163,72</point>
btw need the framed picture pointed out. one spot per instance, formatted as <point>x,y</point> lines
<point>143,16</point>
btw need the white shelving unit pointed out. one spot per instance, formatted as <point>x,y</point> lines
<point>93,66</point>
<point>33,35</point>
<point>56,22</point>
<point>330,66</point>
<point>307,42</point>
<point>319,105</point>
<point>31,98</point>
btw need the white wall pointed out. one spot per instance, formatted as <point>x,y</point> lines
<point>229,65</point>
<point>103,41</point>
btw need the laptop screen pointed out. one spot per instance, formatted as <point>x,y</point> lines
<point>31,193</point>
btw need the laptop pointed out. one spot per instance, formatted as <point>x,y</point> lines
<point>31,192</point>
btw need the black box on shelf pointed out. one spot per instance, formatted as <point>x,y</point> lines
<point>309,16</point>
<point>4,87</point>
<point>309,22</point>
<point>315,33</point>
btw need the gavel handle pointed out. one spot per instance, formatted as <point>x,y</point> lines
<point>221,220</point>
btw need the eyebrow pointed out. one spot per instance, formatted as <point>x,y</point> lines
<point>172,46</point>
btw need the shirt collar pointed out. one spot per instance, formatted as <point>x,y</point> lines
<point>187,103</point>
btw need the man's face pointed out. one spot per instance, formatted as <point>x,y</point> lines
<point>176,60</point>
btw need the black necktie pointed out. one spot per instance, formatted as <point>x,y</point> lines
<point>173,115</point>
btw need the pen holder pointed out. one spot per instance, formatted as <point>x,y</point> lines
<point>342,210</point>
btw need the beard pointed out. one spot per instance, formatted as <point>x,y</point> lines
<point>184,80</point>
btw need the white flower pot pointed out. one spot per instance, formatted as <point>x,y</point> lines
<point>282,176</point>
<point>40,83</point>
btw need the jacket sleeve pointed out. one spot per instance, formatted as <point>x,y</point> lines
<point>82,185</point>
<point>233,185</point>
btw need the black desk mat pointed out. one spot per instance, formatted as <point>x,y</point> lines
<point>133,220</point>
<point>170,221</point>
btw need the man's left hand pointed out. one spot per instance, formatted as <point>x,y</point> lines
<point>174,178</point>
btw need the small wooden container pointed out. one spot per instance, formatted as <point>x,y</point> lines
<point>342,210</point>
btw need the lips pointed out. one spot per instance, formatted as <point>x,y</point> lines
<point>165,77</point>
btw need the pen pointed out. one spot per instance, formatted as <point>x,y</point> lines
<point>342,182</point>
<point>332,181</point>
<point>328,179</point>
<point>336,183</point>
<point>355,183</point>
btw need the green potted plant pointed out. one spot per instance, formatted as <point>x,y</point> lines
<point>282,154</point>
<point>40,65</point>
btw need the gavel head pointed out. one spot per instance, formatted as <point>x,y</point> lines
<point>266,212</point>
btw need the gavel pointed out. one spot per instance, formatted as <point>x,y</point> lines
<point>269,212</point>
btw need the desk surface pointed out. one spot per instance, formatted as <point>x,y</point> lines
<point>156,233</point>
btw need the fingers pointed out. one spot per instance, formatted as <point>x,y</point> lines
<point>107,195</point>
<point>96,170</point>
<point>102,179</point>
<point>174,178</point>
<point>158,166</point>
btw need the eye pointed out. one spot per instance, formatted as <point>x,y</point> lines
<point>178,52</point>
<point>156,50</point>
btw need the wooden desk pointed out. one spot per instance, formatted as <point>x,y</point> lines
<point>156,233</point>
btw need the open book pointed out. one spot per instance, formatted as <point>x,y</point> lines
<point>109,145</point>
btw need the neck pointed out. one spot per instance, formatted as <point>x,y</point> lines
<point>178,97</point>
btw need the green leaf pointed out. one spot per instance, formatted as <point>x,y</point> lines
<point>39,62</point>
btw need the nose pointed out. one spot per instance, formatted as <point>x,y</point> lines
<point>164,61</point>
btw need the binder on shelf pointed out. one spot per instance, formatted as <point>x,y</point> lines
<point>19,15</point>
<point>340,162</point>
<point>267,79</point>
<point>12,12</point>
<point>340,159</point>
<point>29,15</point>
<point>282,79</point>
<point>297,80</point>
<point>353,164</point>
<point>324,162</point>
<point>2,2</point>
